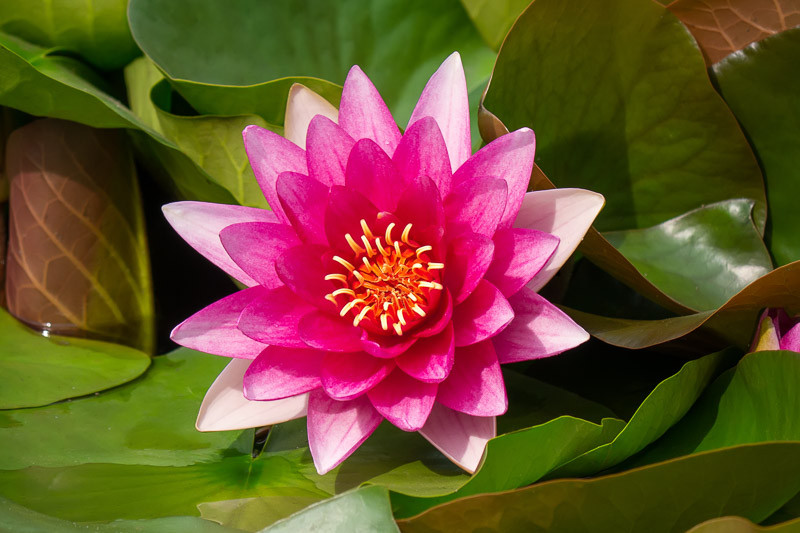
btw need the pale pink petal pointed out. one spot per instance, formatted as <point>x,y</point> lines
<point>346,209</point>
<point>475,206</point>
<point>279,373</point>
<point>213,329</point>
<point>255,246</point>
<point>348,375</point>
<point>304,200</point>
<point>303,105</point>
<point>475,385</point>
<point>363,113</point>
<point>403,401</point>
<point>274,318</point>
<point>371,172</point>
<point>301,270</point>
<point>509,157</point>
<point>566,213</point>
<point>327,150</point>
<point>325,331</point>
<point>484,314</point>
<point>430,359</point>
<point>422,152</point>
<point>791,340</point>
<point>468,258</point>
<point>199,224</point>
<point>270,155</point>
<point>336,428</point>
<point>539,329</point>
<point>225,408</point>
<point>445,98</point>
<point>519,253</point>
<point>460,437</point>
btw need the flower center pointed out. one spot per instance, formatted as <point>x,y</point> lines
<point>390,285</point>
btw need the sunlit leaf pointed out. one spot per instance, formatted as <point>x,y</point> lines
<point>737,524</point>
<point>494,18</point>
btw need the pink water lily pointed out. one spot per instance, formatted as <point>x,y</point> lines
<point>777,331</point>
<point>393,276</point>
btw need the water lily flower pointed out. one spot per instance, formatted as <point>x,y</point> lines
<point>777,331</point>
<point>394,275</point>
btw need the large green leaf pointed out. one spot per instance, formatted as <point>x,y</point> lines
<point>737,524</point>
<point>96,29</point>
<point>619,97</point>
<point>38,370</point>
<point>762,86</point>
<point>749,480</point>
<point>494,18</point>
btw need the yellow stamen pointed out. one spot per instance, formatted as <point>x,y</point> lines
<point>435,266</point>
<point>398,329</point>
<point>344,262</point>
<point>384,252</point>
<point>406,231</point>
<point>423,249</point>
<point>353,244</point>
<point>400,317</point>
<point>360,316</point>
<point>337,277</point>
<point>417,309</point>
<point>389,229</point>
<point>367,245</point>
<point>339,292</point>
<point>431,285</point>
<point>384,323</point>
<point>366,229</point>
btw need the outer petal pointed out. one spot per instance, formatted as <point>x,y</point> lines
<point>304,200</point>
<point>325,331</point>
<point>199,224</point>
<point>539,329</point>
<point>519,253</point>
<point>336,429</point>
<point>422,152</point>
<point>566,213</point>
<point>468,258</point>
<point>431,358</point>
<point>461,437</point>
<point>364,115</point>
<point>791,340</point>
<point>371,172</point>
<point>225,407</point>
<point>274,317</point>
<point>445,98</point>
<point>403,401</point>
<point>509,157</point>
<point>481,316</point>
<point>269,155</point>
<point>475,385</point>
<point>303,105</point>
<point>327,150</point>
<point>279,373</point>
<point>348,375</point>
<point>213,329</point>
<point>255,246</point>
<point>475,206</point>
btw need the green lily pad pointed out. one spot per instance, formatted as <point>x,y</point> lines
<point>737,524</point>
<point>762,87</point>
<point>494,18</point>
<point>621,103</point>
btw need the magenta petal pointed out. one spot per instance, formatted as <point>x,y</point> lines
<point>439,319</point>
<point>346,209</point>
<point>791,340</point>
<point>279,373</point>
<point>255,246</point>
<point>329,332</point>
<point>336,429</point>
<point>269,155</point>
<point>475,384</point>
<point>349,375</point>
<point>403,401</point>
<point>519,254</point>
<point>199,224</point>
<point>509,157</point>
<point>304,200</point>
<point>422,152</point>
<point>273,318</point>
<point>213,329</point>
<point>302,106</point>
<point>539,329</point>
<point>484,314</point>
<point>384,346</point>
<point>301,270</point>
<point>468,257</point>
<point>460,437</point>
<point>364,115</point>
<point>371,172</point>
<point>421,205</point>
<point>431,358</point>
<point>475,206</point>
<point>327,150</point>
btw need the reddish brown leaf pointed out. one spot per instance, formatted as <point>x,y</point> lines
<point>725,26</point>
<point>77,255</point>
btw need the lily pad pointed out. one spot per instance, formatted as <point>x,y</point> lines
<point>494,18</point>
<point>737,524</point>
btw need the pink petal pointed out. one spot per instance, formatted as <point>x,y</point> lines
<point>279,373</point>
<point>336,429</point>
<point>302,271</point>
<point>539,329</point>
<point>304,200</point>
<point>509,157</point>
<point>385,346</point>
<point>213,329</point>
<point>303,105</point>
<point>460,437</point>
<point>422,152</point>
<point>468,258</point>
<point>566,213</point>
<point>346,209</point>
<point>199,224</point>
<point>403,401</point>
<point>791,340</point>
<point>445,98</point>
<point>519,253</point>
<point>421,205</point>
<point>475,384</point>
<point>329,332</point>
<point>255,246</point>
<point>439,319</point>
<point>225,408</point>
<point>431,358</point>
<point>371,172</point>
<point>273,318</point>
<point>348,375</point>
<point>475,206</point>
<point>270,155</point>
<point>481,316</point>
<point>327,150</point>
<point>364,115</point>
